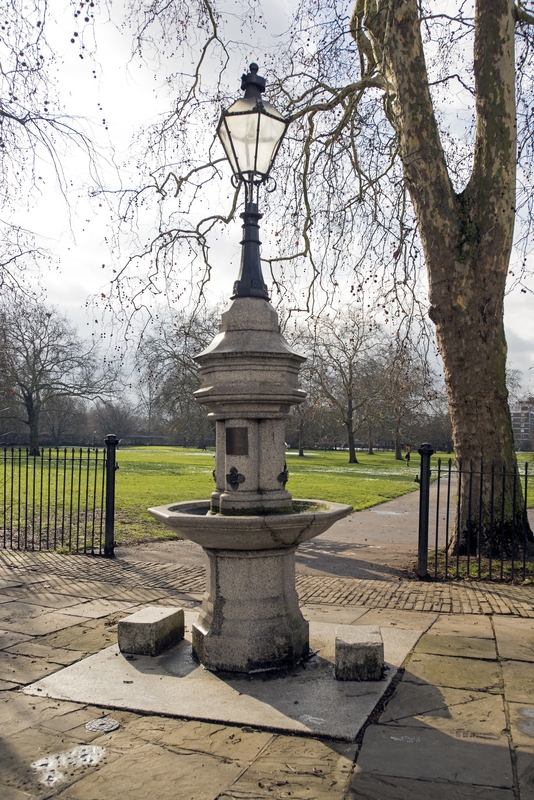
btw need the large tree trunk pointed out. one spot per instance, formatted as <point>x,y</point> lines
<point>352,447</point>
<point>467,237</point>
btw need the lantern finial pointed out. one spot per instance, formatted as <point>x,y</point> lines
<point>251,83</point>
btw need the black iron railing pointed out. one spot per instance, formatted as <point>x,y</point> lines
<point>62,499</point>
<point>474,521</point>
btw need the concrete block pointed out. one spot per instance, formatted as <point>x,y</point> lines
<point>150,631</point>
<point>359,653</point>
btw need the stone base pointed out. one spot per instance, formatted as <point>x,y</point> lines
<point>151,631</point>
<point>359,653</point>
<point>173,686</point>
<point>250,619</point>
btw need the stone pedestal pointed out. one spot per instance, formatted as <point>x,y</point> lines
<point>250,619</point>
<point>359,653</point>
<point>150,631</point>
<point>249,383</point>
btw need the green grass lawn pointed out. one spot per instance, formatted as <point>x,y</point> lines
<point>152,476</point>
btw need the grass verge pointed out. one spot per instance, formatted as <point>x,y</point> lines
<point>152,476</point>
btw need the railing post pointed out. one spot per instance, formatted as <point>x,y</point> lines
<point>425,451</point>
<point>111,467</point>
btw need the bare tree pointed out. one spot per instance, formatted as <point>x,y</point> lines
<point>64,421</point>
<point>345,361</point>
<point>42,358</point>
<point>118,417</point>
<point>410,387</point>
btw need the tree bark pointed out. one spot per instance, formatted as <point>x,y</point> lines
<point>352,447</point>
<point>466,237</point>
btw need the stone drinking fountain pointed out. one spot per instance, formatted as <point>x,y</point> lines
<point>251,527</point>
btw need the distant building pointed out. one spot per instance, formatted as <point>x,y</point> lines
<point>523,424</point>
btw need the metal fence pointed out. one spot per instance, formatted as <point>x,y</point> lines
<point>62,499</point>
<point>474,521</point>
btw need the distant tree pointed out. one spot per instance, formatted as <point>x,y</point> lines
<point>64,421</point>
<point>345,359</point>
<point>410,388</point>
<point>42,358</point>
<point>115,417</point>
<point>168,375</point>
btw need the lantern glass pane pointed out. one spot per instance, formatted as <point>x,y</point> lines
<point>243,120</point>
<point>271,132</point>
<point>225,139</point>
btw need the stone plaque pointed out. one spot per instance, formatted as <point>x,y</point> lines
<point>237,441</point>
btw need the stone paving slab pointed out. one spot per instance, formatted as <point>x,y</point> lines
<point>522,723</point>
<point>518,681</point>
<point>23,669</point>
<point>30,746</point>
<point>94,609</point>
<point>316,612</point>
<point>430,754</point>
<point>17,611</point>
<point>442,644</point>
<point>472,625</point>
<point>457,698</point>
<point>192,736</point>
<point>197,776</point>
<point>310,770</point>
<point>87,637</point>
<point>456,673</point>
<point>371,787</point>
<point>6,584</point>
<point>7,686</point>
<point>9,638</point>
<point>525,772</point>
<point>393,618</point>
<point>40,597</point>
<point>452,711</point>
<point>19,712</point>
<point>515,638</point>
<point>56,655</point>
<point>40,625</point>
<point>308,701</point>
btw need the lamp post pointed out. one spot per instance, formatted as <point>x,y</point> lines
<point>251,132</point>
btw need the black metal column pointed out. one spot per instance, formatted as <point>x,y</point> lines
<point>250,282</point>
<point>425,451</point>
<point>111,467</point>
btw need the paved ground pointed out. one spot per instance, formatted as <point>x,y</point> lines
<point>458,725</point>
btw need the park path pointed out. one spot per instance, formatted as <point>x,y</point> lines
<point>376,543</point>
